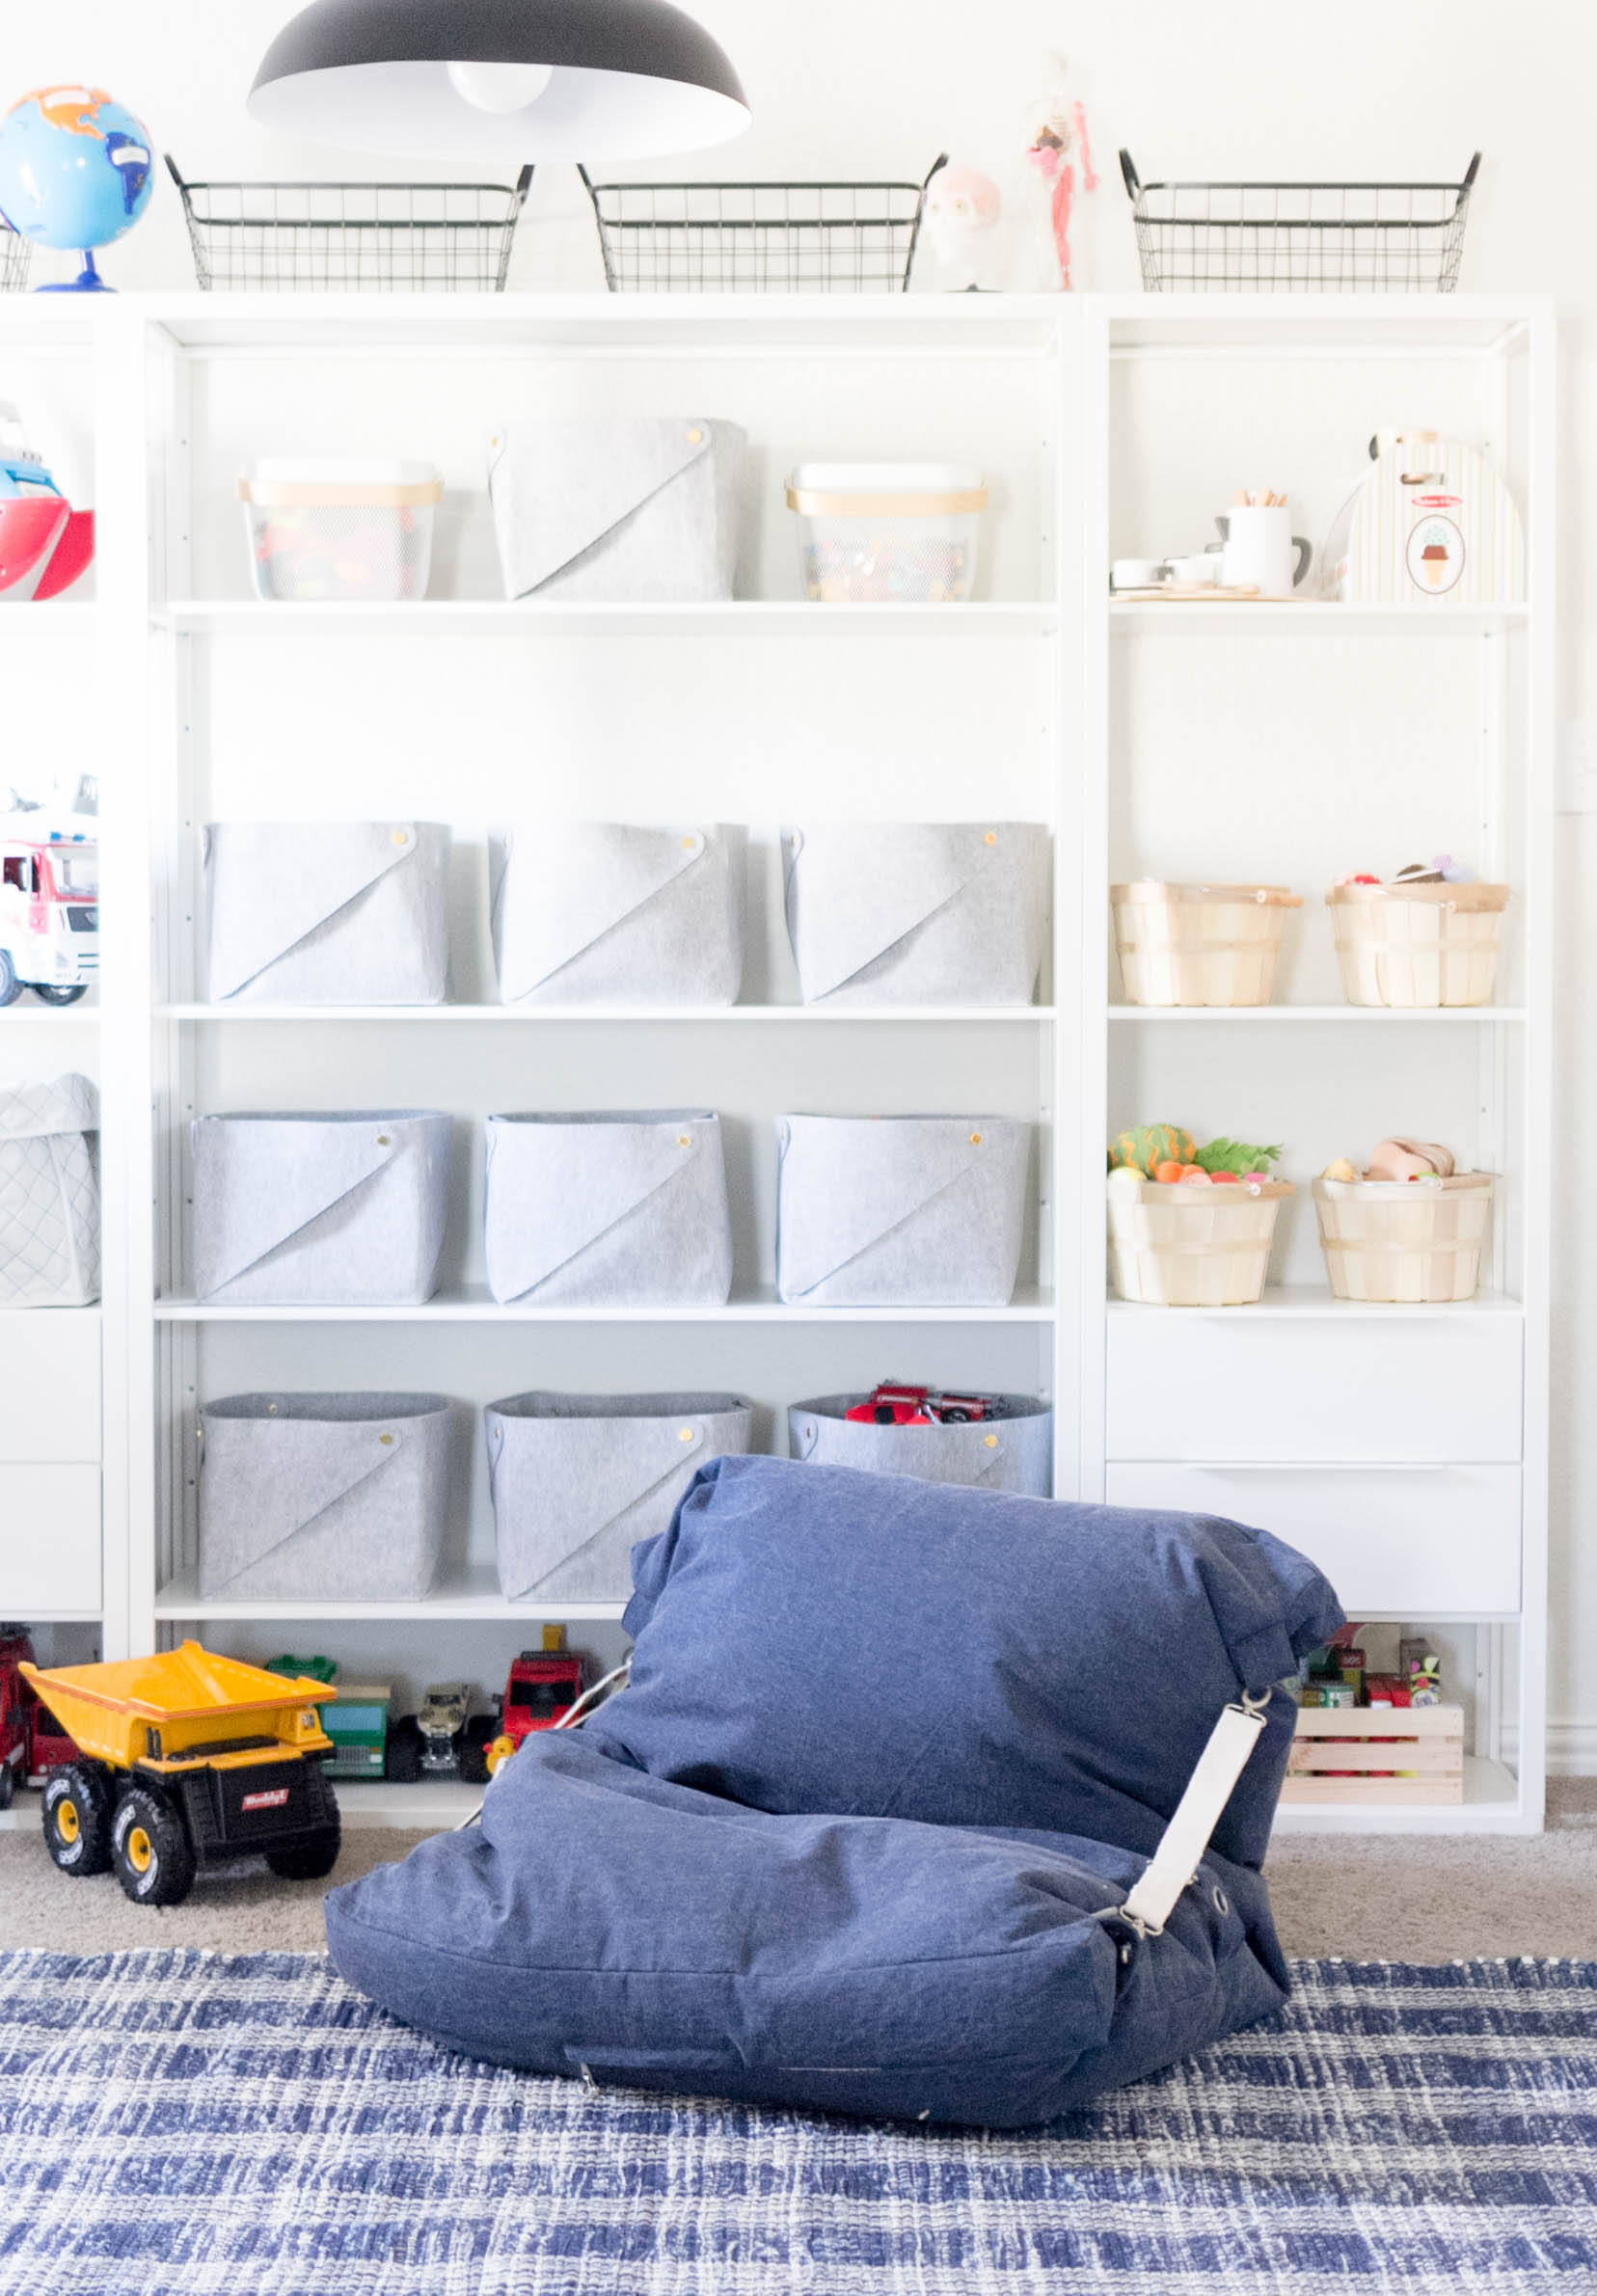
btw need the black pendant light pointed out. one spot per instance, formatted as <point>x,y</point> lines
<point>500,79</point>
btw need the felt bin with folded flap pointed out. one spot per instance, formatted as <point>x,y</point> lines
<point>328,912</point>
<point>918,912</point>
<point>331,1498</point>
<point>577,1481</point>
<point>616,1207</point>
<point>342,1208</point>
<point>648,510</point>
<point>597,912</point>
<point>49,1194</point>
<point>900,1211</point>
<point>1013,1451</point>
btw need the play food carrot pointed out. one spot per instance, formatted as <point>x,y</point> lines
<point>1167,1173</point>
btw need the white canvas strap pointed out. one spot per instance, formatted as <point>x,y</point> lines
<point>1184,1840</point>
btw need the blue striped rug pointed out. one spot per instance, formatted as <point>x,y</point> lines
<point>175,2122</point>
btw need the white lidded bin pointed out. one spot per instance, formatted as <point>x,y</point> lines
<point>887,533</point>
<point>340,1208</point>
<point>614,1207</point>
<point>1013,1452</point>
<point>49,1194</point>
<point>1178,1244</point>
<point>577,1481</point>
<point>328,1498</point>
<point>648,510</point>
<point>900,1211</point>
<point>1199,944</point>
<point>1417,945</point>
<point>355,528</point>
<point>327,912</point>
<point>613,912</point>
<point>918,912</point>
<point>1416,1241</point>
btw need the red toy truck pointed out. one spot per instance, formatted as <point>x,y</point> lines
<point>49,918</point>
<point>543,1686</point>
<point>32,1740</point>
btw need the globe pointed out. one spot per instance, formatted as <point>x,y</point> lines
<point>74,169</point>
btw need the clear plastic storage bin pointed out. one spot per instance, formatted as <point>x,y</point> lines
<point>887,533</point>
<point>321,532</point>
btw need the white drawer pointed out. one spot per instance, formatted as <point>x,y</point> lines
<point>49,1540</point>
<point>1228,1386</point>
<point>49,1385</point>
<point>1395,1543</point>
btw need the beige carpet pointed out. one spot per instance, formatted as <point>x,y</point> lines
<point>1366,1899</point>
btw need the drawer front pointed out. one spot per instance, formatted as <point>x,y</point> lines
<point>1226,1386</point>
<point>1392,1544</point>
<point>49,1385</point>
<point>49,1540</point>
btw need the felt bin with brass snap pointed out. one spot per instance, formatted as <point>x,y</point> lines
<point>328,912</point>
<point>918,912</point>
<point>333,1499</point>
<point>646,509</point>
<point>1011,1452</point>
<point>616,1207</point>
<point>900,1211</point>
<point>610,912</point>
<point>342,1209</point>
<point>579,1479</point>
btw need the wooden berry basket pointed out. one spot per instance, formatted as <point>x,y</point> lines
<point>1417,945</point>
<point>1400,1241</point>
<point>1174,1244</point>
<point>1384,1756</point>
<point>1199,944</point>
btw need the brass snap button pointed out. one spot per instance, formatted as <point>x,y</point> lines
<point>402,837</point>
<point>382,1140</point>
<point>991,1441</point>
<point>991,837</point>
<point>975,1140</point>
<point>685,1435</point>
<point>385,1439</point>
<point>684,1141</point>
<point>696,438</point>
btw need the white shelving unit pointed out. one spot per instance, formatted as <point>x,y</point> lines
<point>1175,740</point>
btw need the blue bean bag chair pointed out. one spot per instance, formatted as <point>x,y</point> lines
<point>903,1813</point>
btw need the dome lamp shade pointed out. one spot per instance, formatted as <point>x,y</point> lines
<point>500,79</point>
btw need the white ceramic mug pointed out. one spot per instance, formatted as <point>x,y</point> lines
<point>1260,546</point>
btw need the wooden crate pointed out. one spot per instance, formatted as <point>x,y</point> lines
<point>1339,1754</point>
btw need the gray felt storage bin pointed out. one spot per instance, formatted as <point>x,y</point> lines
<point>328,912</point>
<point>607,912</point>
<point>900,1211</point>
<point>49,1194</point>
<point>918,912</point>
<point>619,1208</point>
<point>1011,1454</point>
<point>579,1479</point>
<point>331,1498</point>
<point>640,509</point>
<point>340,1209</point>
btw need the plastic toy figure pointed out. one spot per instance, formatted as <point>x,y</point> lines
<point>962,212</point>
<point>1059,146</point>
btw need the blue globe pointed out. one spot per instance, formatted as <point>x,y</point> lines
<point>74,168</point>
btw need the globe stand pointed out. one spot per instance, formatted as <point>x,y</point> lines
<point>87,282</point>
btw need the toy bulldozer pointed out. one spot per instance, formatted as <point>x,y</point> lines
<point>186,1760</point>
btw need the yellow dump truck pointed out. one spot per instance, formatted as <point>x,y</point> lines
<point>187,1760</point>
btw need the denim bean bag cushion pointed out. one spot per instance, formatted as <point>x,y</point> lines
<point>605,1923</point>
<point>815,1638</point>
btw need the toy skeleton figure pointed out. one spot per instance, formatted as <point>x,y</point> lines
<point>1058,144</point>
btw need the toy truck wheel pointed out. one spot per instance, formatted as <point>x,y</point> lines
<point>48,994</point>
<point>77,1820</point>
<point>402,1752</point>
<point>149,1848</point>
<point>11,987</point>
<point>8,1784</point>
<point>480,1732</point>
<point>312,1858</point>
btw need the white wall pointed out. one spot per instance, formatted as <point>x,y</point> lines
<point>1256,88</point>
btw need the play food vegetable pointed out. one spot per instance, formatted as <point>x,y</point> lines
<point>1150,1145</point>
<point>1236,1155</point>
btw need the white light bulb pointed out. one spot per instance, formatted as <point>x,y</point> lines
<point>501,87</point>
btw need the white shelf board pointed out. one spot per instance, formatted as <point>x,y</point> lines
<point>1315,618</point>
<point>66,613</point>
<point>1490,1805</point>
<point>32,1018</point>
<point>464,1590</point>
<point>472,1304</point>
<point>29,1318</point>
<point>1340,325</point>
<point>648,1015</point>
<point>1384,1013</point>
<point>1311,1299</point>
<point>432,1805</point>
<point>436,617</point>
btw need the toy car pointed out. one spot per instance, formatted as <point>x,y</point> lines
<point>358,1724</point>
<point>891,1405</point>
<point>49,918</point>
<point>542,1688</point>
<point>32,1742</point>
<point>444,1740</point>
<point>184,1759</point>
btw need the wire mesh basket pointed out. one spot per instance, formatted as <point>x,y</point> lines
<point>16,255</point>
<point>1304,237</point>
<point>758,239</point>
<point>437,237</point>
